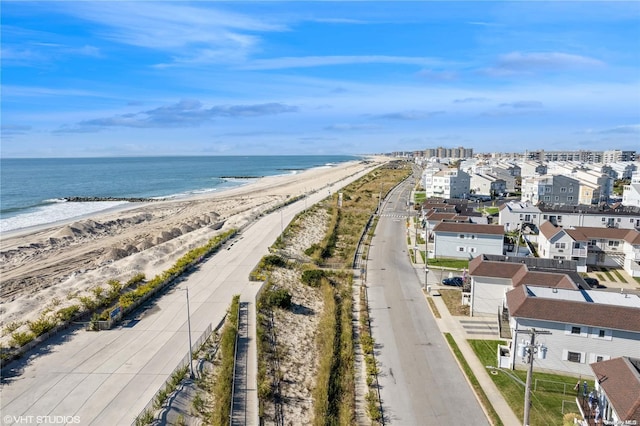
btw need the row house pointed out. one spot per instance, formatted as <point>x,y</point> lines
<point>492,276</point>
<point>532,168</point>
<point>563,244</point>
<point>610,247</point>
<point>486,184</point>
<point>617,385</point>
<point>631,192</point>
<point>466,240</point>
<point>557,189</point>
<point>514,213</point>
<point>583,326</point>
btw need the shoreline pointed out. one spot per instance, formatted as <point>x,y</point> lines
<point>51,266</point>
<point>130,205</point>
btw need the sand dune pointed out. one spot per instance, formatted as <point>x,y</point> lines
<point>50,267</point>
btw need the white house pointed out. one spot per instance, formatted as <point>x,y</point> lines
<point>485,184</point>
<point>563,244</point>
<point>514,213</point>
<point>631,192</point>
<point>610,247</point>
<point>584,326</point>
<point>617,383</point>
<point>446,183</point>
<point>466,240</point>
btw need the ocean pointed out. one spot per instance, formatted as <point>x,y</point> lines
<point>32,191</point>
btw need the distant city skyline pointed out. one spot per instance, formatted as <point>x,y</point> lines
<point>85,79</point>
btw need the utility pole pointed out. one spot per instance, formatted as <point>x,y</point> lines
<point>531,349</point>
<point>426,254</point>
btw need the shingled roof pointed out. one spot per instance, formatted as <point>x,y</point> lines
<point>470,228</point>
<point>522,304</point>
<point>620,380</point>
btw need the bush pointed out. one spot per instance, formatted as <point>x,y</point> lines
<point>313,277</point>
<point>280,298</point>
<point>41,325</point>
<point>19,338</point>
<point>65,314</point>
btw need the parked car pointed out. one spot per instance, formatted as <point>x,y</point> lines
<point>455,281</point>
<point>593,282</point>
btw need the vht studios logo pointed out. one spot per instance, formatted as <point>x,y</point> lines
<point>39,420</point>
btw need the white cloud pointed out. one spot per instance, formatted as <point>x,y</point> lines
<point>317,61</point>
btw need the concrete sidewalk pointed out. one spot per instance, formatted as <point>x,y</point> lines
<point>463,328</point>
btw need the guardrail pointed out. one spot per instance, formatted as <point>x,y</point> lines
<point>241,306</point>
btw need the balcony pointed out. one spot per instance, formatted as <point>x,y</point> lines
<point>579,252</point>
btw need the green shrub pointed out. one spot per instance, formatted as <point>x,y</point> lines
<point>41,325</point>
<point>65,314</point>
<point>313,277</point>
<point>21,338</point>
<point>280,298</point>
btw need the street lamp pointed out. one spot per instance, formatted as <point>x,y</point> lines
<point>189,332</point>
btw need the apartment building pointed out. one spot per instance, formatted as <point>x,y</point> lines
<point>446,183</point>
<point>631,192</point>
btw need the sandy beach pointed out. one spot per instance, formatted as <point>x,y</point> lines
<point>48,268</point>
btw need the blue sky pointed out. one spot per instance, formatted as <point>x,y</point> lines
<point>115,78</point>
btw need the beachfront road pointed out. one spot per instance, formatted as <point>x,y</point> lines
<point>421,383</point>
<point>108,377</point>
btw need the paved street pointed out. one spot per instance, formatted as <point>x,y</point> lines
<point>421,381</point>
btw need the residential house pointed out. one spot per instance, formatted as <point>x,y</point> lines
<point>617,384</point>
<point>563,244</point>
<point>486,184</point>
<point>492,276</point>
<point>609,247</point>
<point>467,240</point>
<point>557,189</point>
<point>583,326</point>
<point>514,213</point>
<point>532,169</point>
<point>631,192</point>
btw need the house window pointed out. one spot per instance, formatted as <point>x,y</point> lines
<point>473,237</point>
<point>570,198</point>
<point>575,330</point>
<point>461,236</point>
<point>614,243</point>
<point>460,248</point>
<point>570,189</point>
<point>547,198</point>
<point>604,219</point>
<point>559,218</point>
<point>593,242</point>
<point>560,245</point>
<point>601,333</point>
<point>573,356</point>
<point>544,216</point>
<point>556,198</point>
<point>472,249</point>
<point>563,189</point>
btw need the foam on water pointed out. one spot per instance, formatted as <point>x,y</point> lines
<point>54,212</point>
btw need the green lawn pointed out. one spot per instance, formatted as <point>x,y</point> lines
<point>449,263</point>
<point>419,197</point>
<point>546,407</point>
<point>608,274</point>
<point>619,275</point>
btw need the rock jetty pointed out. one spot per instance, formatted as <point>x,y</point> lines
<point>130,199</point>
